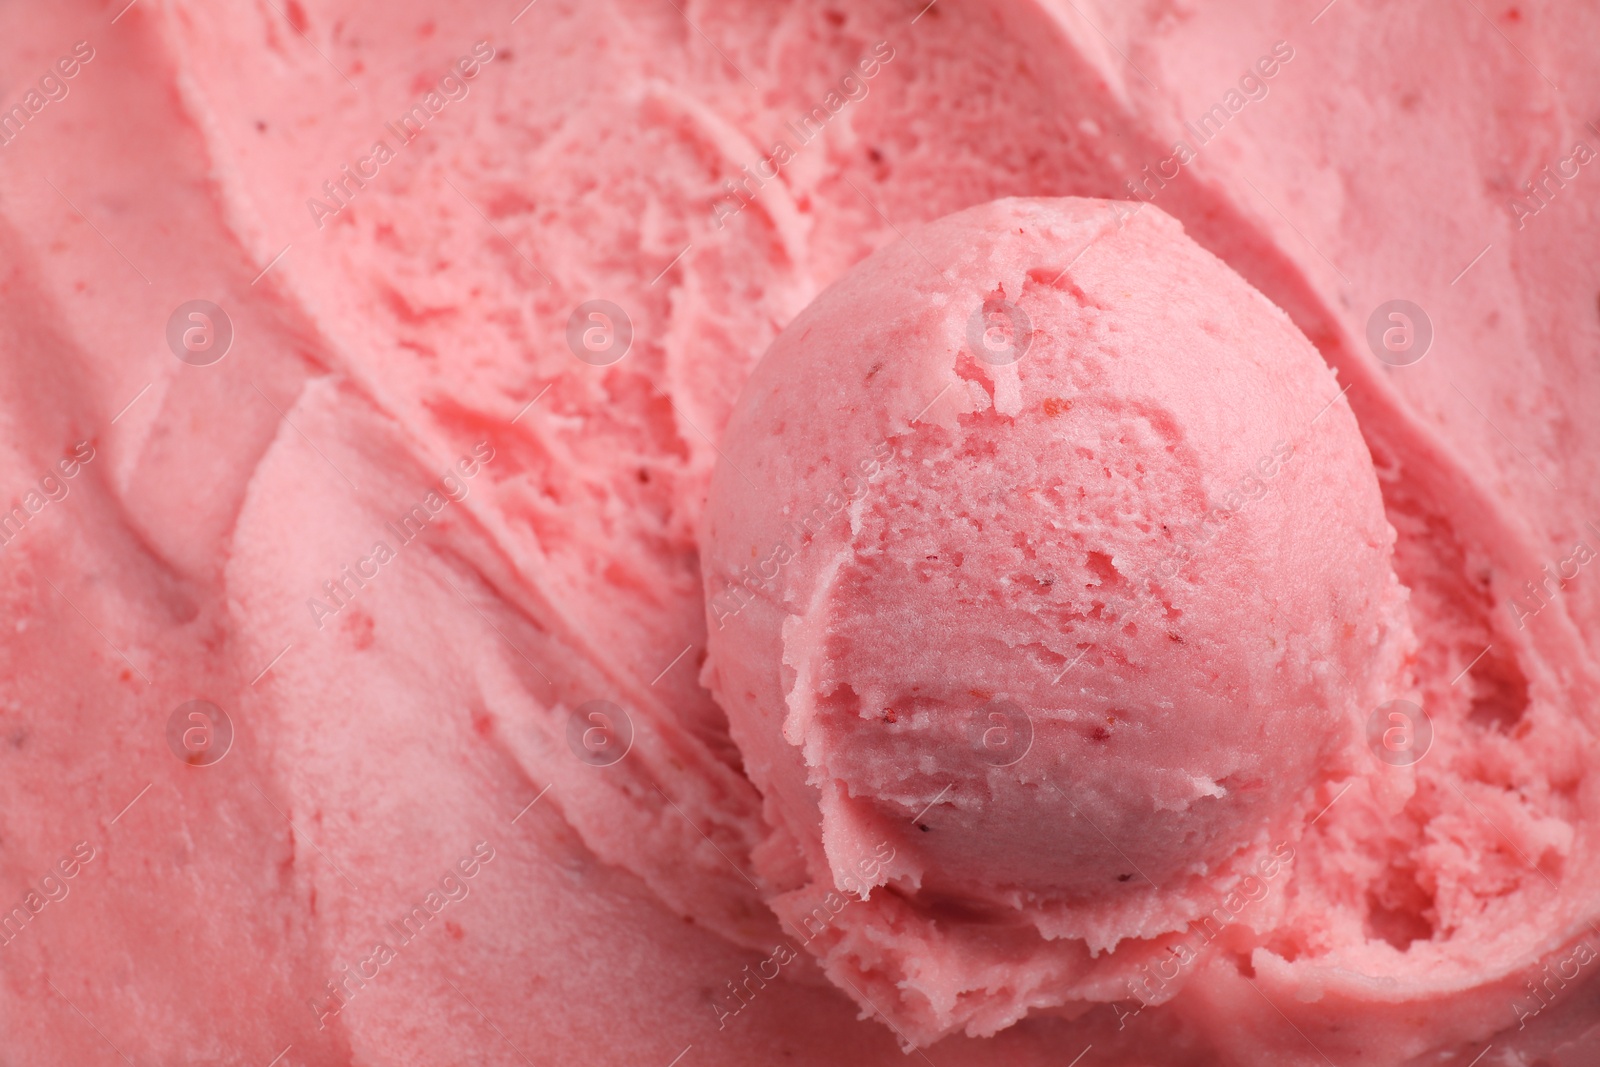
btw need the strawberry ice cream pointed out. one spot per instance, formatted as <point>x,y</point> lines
<point>395,397</point>
<point>1066,642</point>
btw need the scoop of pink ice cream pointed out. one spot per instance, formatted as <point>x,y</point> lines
<point>1046,581</point>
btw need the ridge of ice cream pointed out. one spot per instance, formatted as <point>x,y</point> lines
<point>1037,551</point>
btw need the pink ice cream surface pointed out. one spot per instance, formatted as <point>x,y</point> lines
<point>168,522</point>
<point>1039,555</point>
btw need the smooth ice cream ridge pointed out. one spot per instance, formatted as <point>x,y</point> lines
<point>1035,600</point>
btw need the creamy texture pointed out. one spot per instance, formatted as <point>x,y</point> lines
<point>1061,640</point>
<point>624,917</point>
